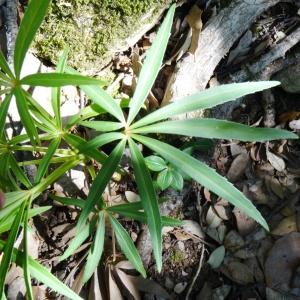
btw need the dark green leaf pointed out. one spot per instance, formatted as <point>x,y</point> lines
<point>217,129</point>
<point>149,200</point>
<point>100,182</point>
<point>151,65</point>
<point>18,172</point>
<point>96,250</point>
<point>4,66</point>
<point>58,79</point>
<point>42,169</point>
<point>3,113</point>
<point>104,126</point>
<point>204,175</point>
<point>127,245</point>
<point>206,99</point>
<point>31,21</point>
<point>7,252</point>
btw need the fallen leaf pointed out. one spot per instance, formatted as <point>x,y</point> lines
<point>287,225</point>
<point>193,228</point>
<point>245,224</point>
<point>282,259</point>
<point>132,197</point>
<point>128,284</point>
<point>212,219</point>
<point>288,116</point>
<point>216,257</point>
<point>276,161</point>
<point>114,292</point>
<point>233,241</point>
<point>180,287</point>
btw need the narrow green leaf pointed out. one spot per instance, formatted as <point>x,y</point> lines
<point>217,129</point>
<point>96,250</point>
<point>51,178</point>
<point>204,175</point>
<point>149,200</point>
<point>58,80</point>
<point>77,142</point>
<point>42,169</point>
<point>55,99</point>
<point>69,201</point>
<point>155,163</point>
<point>164,179</point>
<point>31,21</point>
<point>127,211</point>
<point>100,97</point>
<point>27,278</point>
<point>151,65</point>
<point>3,113</point>
<point>99,141</point>
<point>4,66</point>
<point>100,182</point>
<point>104,126</point>
<point>7,253</point>
<point>80,237</point>
<point>6,224</point>
<point>25,115</point>
<point>18,172</point>
<point>205,99</point>
<point>40,113</point>
<point>127,245</point>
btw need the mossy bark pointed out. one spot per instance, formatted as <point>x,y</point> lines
<point>93,30</point>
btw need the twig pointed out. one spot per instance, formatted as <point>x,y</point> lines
<point>197,274</point>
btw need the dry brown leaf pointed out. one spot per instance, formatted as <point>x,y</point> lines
<point>276,161</point>
<point>128,284</point>
<point>289,116</point>
<point>195,22</point>
<point>282,260</point>
<point>114,292</point>
<point>212,219</point>
<point>193,228</point>
<point>238,167</point>
<point>245,224</point>
<point>233,241</point>
<point>287,225</point>
<point>39,292</point>
<point>132,197</point>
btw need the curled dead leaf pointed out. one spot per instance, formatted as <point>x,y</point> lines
<point>286,226</point>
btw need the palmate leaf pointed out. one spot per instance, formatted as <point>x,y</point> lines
<point>95,195</point>
<point>148,199</point>
<point>217,129</point>
<point>151,65</point>
<point>7,252</point>
<point>127,245</point>
<point>42,274</point>
<point>31,21</point>
<point>204,175</point>
<point>96,250</point>
<point>18,172</point>
<point>205,99</point>
<point>100,97</point>
<point>58,80</point>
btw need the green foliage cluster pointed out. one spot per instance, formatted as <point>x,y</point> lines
<point>124,130</point>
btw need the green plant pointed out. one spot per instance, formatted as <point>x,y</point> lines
<point>41,127</point>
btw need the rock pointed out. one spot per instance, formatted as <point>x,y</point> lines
<point>290,78</point>
<point>94,30</point>
<point>233,241</point>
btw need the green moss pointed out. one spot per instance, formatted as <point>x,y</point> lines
<point>177,256</point>
<point>91,29</point>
